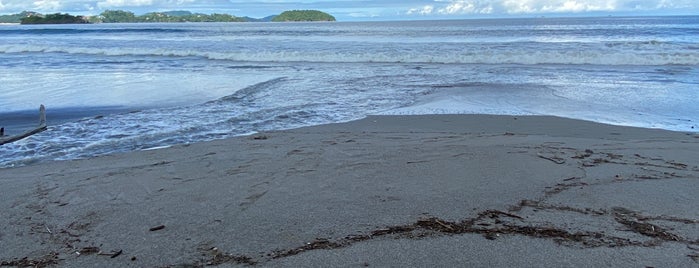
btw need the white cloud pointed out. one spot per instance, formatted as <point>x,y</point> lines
<point>467,7</point>
<point>557,6</point>
<point>426,10</point>
<point>122,3</point>
<point>142,3</point>
<point>674,4</point>
<point>457,7</point>
<point>519,6</point>
<point>179,2</point>
<point>47,5</point>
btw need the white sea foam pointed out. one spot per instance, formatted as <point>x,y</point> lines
<point>117,88</point>
<point>634,54</point>
<point>518,99</point>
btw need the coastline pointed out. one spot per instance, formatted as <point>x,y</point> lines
<point>437,190</point>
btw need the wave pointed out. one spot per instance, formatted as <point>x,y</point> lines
<point>607,54</point>
<point>155,30</point>
<point>251,90</point>
<point>62,31</point>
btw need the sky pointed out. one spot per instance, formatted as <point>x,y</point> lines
<point>353,10</point>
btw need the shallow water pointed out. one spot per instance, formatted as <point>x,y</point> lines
<point>122,87</point>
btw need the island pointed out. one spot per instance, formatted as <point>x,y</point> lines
<point>303,15</point>
<point>56,18</point>
<point>16,18</point>
<point>121,16</point>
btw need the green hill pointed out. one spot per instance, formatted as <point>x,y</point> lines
<point>57,18</point>
<point>265,19</point>
<point>16,18</point>
<point>122,16</point>
<point>169,16</point>
<point>303,15</point>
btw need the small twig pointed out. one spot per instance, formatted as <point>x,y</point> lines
<point>116,254</point>
<point>505,213</point>
<point>445,226</point>
<point>156,228</point>
<point>554,159</point>
<point>113,254</point>
<point>88,250</point>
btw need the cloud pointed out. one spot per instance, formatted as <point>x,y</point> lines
<point>143,3</point>
<point>557,6</point>
<point>6,5</point>
<point>467,7</point>
<point>123,3</point>
<point>425,10</point>
<point>460,7</point>
<point>673,4</point>
<point>39,5</point>
<point>450,7</point>
<point>47,5</point>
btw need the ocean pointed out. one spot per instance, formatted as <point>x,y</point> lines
<point>114,88</point>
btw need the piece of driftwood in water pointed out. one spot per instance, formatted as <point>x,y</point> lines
<point>40,128</point>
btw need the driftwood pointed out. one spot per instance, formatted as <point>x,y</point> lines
<point>39,129</point>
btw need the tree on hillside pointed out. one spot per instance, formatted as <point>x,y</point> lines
<point>117,16</point>
<point>121,16</point>
<point>303,15</point>
<point>225,18</point>
<point>56,18</point>
<point>16,18</point>
<point>157,17</point>
<point>186,17</point>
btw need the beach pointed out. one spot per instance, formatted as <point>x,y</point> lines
<point>419,190</point>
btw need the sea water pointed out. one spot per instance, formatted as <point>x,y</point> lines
<point>123,87</point>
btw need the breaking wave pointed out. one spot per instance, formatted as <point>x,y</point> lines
<point>639,53</point>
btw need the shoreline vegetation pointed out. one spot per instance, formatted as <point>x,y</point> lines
<point>121,16</point>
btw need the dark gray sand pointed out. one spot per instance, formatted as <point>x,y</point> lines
<point>448,190</point>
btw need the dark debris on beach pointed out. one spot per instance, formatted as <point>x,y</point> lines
<point>44,261</point>
<point>491,224</point>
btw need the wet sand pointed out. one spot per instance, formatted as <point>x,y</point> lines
<point>447,190</point>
